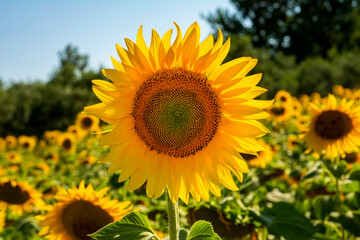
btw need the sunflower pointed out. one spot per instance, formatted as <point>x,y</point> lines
<point>334,128</point>
<point>10,141</point>
<point>351,159</point>
<point>52,136</point>
<point>67,142</point>
<point>284,97</point>
<point>280,112</point>
<point>13,157</point>
<point>27,143</point>
<point>79,212</point>
<point>87,123</point>
<point>19,196</point>
<point>292,142</point>
<point>262,157</point>
<point>338,90</point>
<point>51,157</point>
<point>76,131</point>
<point>180,117</point>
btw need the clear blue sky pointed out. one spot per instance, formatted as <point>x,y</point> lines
<point>32,32</point>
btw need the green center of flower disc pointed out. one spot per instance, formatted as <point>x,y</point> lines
<point>176,112</point>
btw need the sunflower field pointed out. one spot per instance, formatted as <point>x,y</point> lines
<point>187,139</point>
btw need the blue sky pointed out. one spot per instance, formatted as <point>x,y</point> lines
<point>33,32</point>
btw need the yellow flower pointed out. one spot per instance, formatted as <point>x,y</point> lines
<point>76,131</point>
<point>262,158</point>
<point>19,196</point>
<point>180,117</point>
<point>351,159</point>
<point>334,128</point>
<point>67,142</point>
<point>292,142</point>
<point>280,112</point>
<point>87,123</point>
<point>13,157</point>
<point>79,212</point>
<point>10,141</point>
<point>27,143</point>
<point>52,136</point>
<point>284,97</point>
<point>338,90</point>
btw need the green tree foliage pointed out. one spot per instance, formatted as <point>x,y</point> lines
<point>32,108</point>
<point>303,28</point>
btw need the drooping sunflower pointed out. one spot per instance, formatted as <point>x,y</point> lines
<point>180,117</point>
<point>19,196</point>
<point>87,123</point>
<point>79,212</point>
<point>334,128</point>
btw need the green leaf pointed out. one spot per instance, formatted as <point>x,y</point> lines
<point>134,226</point>
<point>202,230</point>
<point>183,234</point>
<point>322,206</point>
<point>355,172</point>
<point>350,222</point>
<point>284,220</point>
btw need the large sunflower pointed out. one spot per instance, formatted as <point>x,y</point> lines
<point>79,212</point>
<point>334,128</point>
<point>19,196</point>
<point>180,117</point>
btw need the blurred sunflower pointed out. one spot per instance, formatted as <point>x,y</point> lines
<point>19,196</point>
<point>67,142</point>
<point>76,131</point>
<point>292,142</point>
<point>51,156</point>
<point>338,90</point>
<point>280,112</point>
<point>180,117</point>
<point>13,157</point>
<point>10,141</point>
<point>333,128</point>
<point>262,158</point>
<point>87,123</point>
<point>52,136</point>
<point>27,143</point>
<point>79,212</point>
<point>351,159</point>
<point>284,97</point>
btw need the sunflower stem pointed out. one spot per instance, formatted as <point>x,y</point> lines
<point>173,218</point>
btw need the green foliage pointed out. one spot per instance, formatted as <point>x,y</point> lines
<point>282,219</point>
<point>134,226</point>
<point>32,108</point>
<point>299,28</point>
<point>202,230</point>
